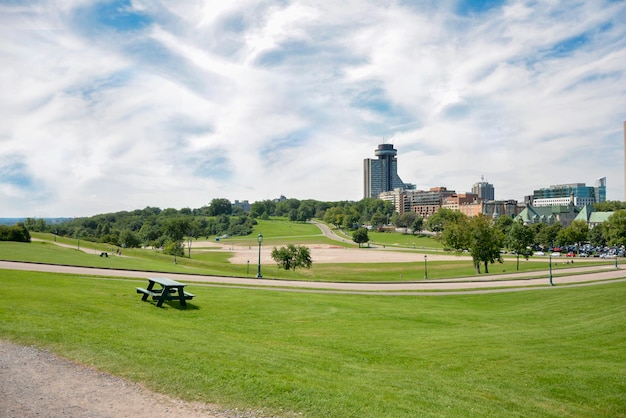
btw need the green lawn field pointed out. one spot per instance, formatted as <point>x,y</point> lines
<point>551,352</point>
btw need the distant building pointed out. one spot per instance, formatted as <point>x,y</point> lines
<point>593,218</point>
<point>381,175</point>
<point>562,214</point>
<point>484,190</point>
<point>243,204</point>
<point>561,194</point>
<point>427,202</point>
<point>492,208</point>
<point>398,198</point>
<point>454,201</point>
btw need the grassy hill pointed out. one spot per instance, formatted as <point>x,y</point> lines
<point>551,352</point>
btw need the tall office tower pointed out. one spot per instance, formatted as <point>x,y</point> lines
<point>381,175</point>
<point>484,190</point>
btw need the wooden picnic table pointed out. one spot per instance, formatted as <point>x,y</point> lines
<point>169,290</point>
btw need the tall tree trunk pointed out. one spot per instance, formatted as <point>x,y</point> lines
<point>477,265</point>
<point>518,261</point>
<point>486,267</point>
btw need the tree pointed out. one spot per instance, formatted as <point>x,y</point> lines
<point>35,224</point>
<point>417,225</point>
<point>609,206</point>
<point>175,229</point>
<point>378,220</point>
<point>545,235</point>
<point>596,236</point>
<point>360,236</point>
<point>351,218</point>
<point>436,221</point>
<point>455,234</point>
<point>334,216</point>
<point>129,239</point>
<point>504,224</point>
<point>220,206</point>
<point>17,232</point>
<point>264,208</point>
<point>405,220</point>
<point>292,256</point>
<point>576,233</point>
<point>519,238</point>
<point>615,228</point>
<point>485,242</point>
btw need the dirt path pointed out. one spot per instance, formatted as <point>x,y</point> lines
<point>35,382</point>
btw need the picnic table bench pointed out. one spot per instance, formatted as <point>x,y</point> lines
<point>169,290</point>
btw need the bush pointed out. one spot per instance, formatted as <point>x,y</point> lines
<point>17,232</point>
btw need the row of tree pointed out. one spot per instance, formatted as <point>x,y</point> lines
<point>159,228</point>
<point>485,239</point>
<point>154,227</point>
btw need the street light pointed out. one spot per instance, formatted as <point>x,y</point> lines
<point>551,284</point>
<point>425,267</point>
<point>260,239</point>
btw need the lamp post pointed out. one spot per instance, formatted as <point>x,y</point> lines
<point>616,262</point>
<point>258,274</point>
<point>551,284</point>
<point>425,267</point>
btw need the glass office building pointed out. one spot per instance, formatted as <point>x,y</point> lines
<point>562,194</point>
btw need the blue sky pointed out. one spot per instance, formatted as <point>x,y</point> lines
<point>118,105</point>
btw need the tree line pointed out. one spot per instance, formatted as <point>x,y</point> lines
<point>485,238</point>
<point>169,228</point>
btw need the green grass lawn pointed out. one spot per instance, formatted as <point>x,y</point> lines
<point>552,352</point>
<point>396,239</point>
<point>278,231</point>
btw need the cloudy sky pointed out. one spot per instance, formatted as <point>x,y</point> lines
<point>119,105</point>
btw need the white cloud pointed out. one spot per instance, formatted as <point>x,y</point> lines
<point>251,100</point>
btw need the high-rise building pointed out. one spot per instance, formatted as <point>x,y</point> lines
<point>381,175</point>
<point>484,190</point>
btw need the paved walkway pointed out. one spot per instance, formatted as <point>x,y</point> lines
<point>495,283</point>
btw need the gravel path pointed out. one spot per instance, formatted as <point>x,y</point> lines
<point>37,383</point>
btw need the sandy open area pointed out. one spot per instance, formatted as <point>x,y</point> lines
<point>323,253</point>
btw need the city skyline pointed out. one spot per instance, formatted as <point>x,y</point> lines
<point>119,105</point>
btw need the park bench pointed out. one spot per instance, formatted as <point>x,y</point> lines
<point>170,290</point>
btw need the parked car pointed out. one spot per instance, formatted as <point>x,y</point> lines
<point>539,253</point>
<point>583,255</point>
<point>570,254</point>
<point>556,254</point>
